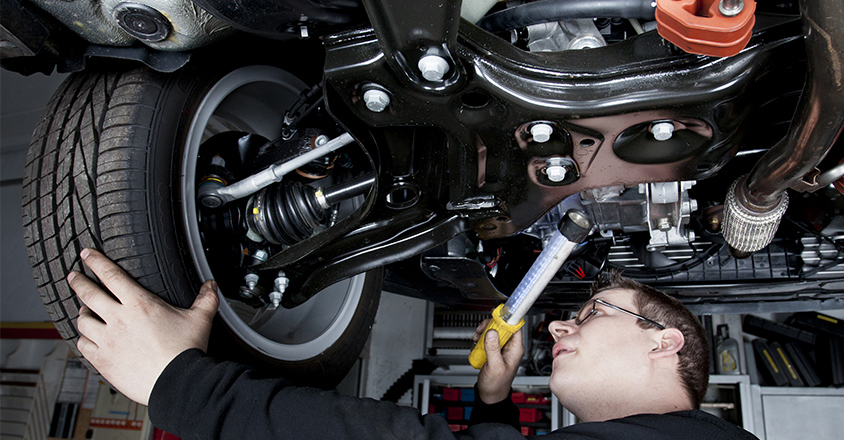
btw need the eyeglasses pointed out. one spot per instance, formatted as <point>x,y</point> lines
<point>586,312</point>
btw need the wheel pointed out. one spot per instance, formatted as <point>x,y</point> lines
<point>113,165</point>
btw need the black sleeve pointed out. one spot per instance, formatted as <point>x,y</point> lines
<point>505,412</point>
<point>198,397</point>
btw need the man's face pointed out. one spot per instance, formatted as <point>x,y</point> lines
<point>604,355</point>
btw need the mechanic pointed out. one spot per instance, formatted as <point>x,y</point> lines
<point>624,374</point>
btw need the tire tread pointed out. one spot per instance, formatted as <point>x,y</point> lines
<point>59,191</point>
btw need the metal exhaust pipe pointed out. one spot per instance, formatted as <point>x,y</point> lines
<point>756,202</point>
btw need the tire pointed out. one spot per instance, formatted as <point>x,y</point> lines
<point>110,167</point>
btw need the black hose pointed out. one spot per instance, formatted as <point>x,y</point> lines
<point>545,11</point>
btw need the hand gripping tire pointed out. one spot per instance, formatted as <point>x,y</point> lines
<point>109,167</point>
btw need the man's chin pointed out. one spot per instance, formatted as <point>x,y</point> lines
<point>562,381</point>
<point>555,382</point>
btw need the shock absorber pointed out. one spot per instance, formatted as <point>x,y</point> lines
<point>290,212</point>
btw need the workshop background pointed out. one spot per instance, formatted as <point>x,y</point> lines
<point>46,393</point>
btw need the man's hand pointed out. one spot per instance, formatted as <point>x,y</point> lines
<point>496,377</point>
<point>138,336</point>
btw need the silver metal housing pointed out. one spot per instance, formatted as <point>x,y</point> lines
<point>662,208</point>
<point>564,35</point>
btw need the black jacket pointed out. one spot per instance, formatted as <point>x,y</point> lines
<point>198,397</point>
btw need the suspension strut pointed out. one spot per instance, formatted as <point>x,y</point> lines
<point>290,212</point>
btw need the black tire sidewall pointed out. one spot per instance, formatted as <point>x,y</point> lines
<point>149,154</point>
<point>181,93</point>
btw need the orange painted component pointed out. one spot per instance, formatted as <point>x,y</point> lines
<point>697,26</point>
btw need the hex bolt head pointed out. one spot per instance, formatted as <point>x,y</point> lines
<point>281,282</point>
<point>376,100</point>
<point>555,170</point>
<point>541,132</point>
<point>251,280</point>
<point>275,299</point>
<point>663,131</point>
<point>556,173</point>
<point>433,67</point>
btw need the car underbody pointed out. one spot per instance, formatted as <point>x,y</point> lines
<point>337,138</point>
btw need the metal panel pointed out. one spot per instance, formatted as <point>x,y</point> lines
<point>797,416</point>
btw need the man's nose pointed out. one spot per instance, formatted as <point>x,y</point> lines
<point>559,329</point>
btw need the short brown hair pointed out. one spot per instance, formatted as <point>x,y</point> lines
<point>671,313</point>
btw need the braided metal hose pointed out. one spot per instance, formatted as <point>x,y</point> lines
<point>745,229</point>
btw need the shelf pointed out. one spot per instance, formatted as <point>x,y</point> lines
<point>425,387</point>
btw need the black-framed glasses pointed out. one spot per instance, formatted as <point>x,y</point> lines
<point>586,312</point>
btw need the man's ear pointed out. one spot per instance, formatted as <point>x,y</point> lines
<point>669,342</point>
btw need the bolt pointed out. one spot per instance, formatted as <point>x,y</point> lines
<point>321,140</point>
<point>585,42</point>
<point>275,298</point>
<point>663,224</point>
<point>433,67</point>
<point>556,173</point>
<point>251,280</point>
<point>730,8</point>
<point>714,223</point>
<point>663,131</point>
<point>555,170</point>
<point>261,255</point>
<point>541,132</point>
<point>376,100</point>
<point>281,282</point>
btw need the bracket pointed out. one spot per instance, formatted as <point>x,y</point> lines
<point>703,27</point>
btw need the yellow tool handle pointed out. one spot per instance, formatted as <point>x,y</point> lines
<point>477,358</point>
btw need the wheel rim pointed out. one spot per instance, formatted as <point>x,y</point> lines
<point>253,99</point>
